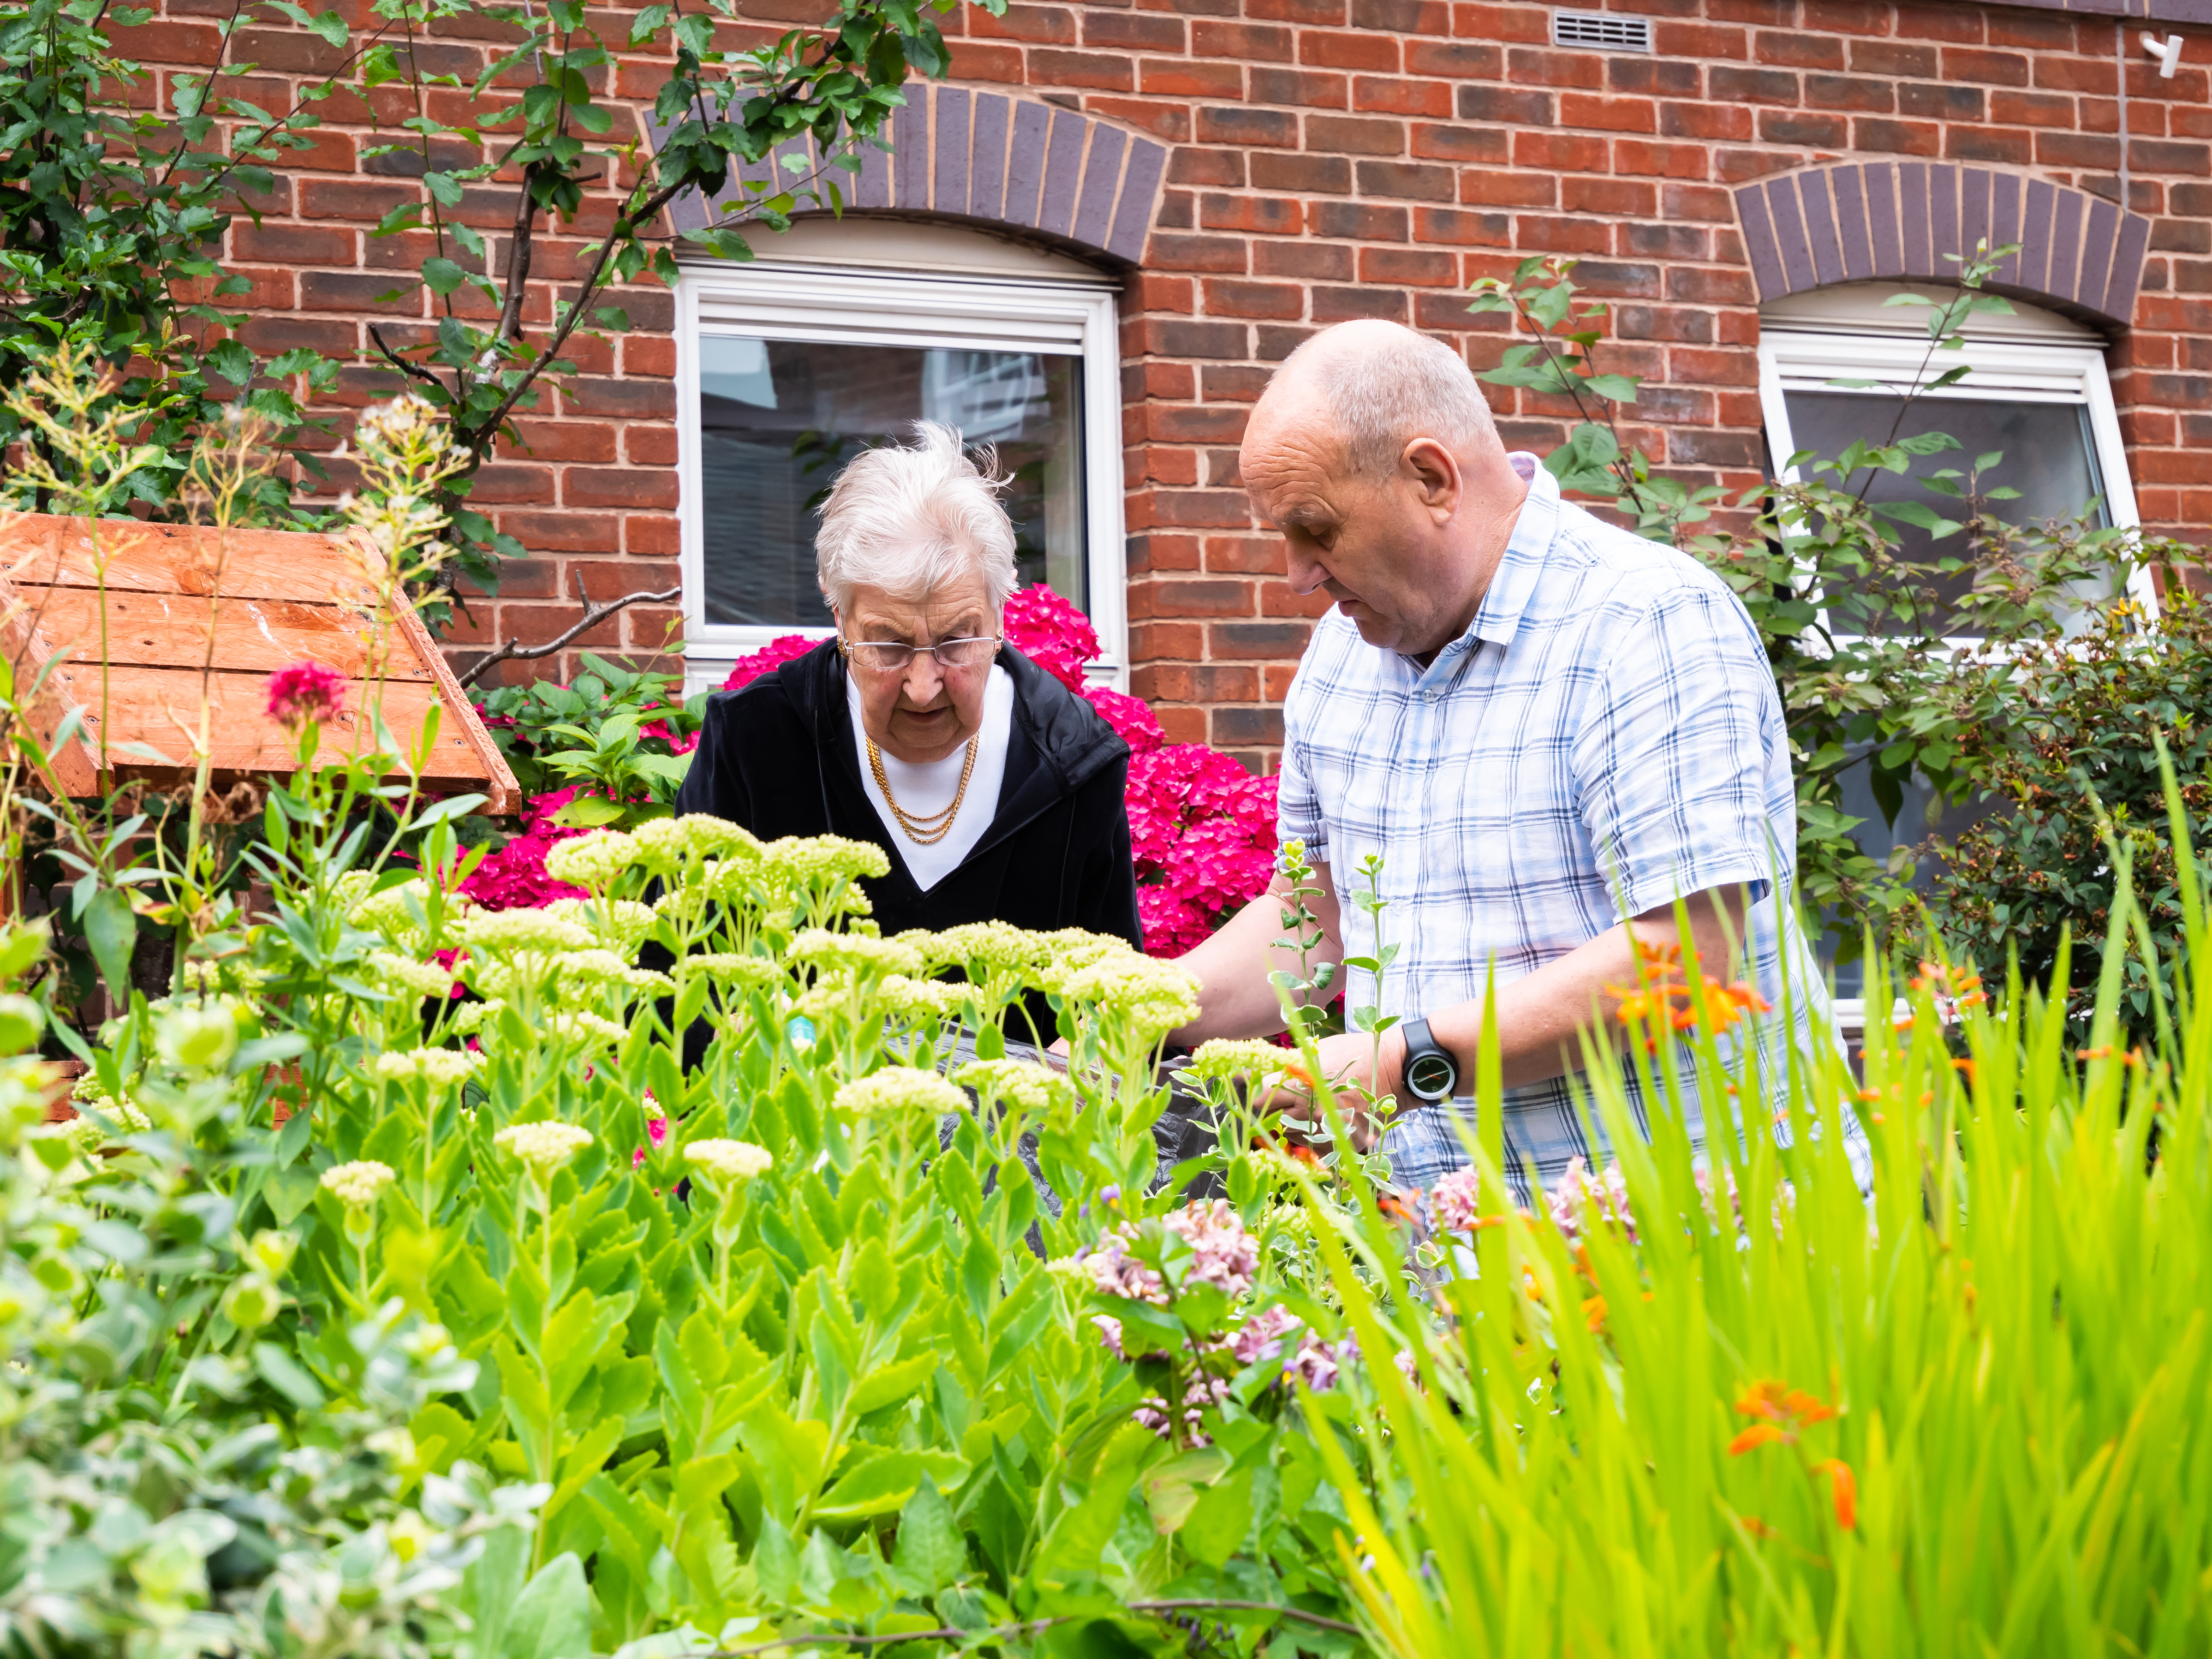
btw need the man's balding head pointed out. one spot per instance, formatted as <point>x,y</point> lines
<point>1373,451</point>
<point>1380,386</point>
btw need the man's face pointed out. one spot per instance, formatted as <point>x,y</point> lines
<point>1379,547</point>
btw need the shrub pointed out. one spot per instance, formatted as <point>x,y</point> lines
<point>2073,751</point>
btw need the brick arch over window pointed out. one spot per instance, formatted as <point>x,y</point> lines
<point>1861,221</point>
<point>1014,164</point>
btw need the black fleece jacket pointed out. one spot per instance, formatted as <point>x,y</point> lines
<point>778,758</point>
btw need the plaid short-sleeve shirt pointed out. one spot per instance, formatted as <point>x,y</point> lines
<point>1604,738</point>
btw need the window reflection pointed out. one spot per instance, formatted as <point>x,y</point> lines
<point>779,419</point>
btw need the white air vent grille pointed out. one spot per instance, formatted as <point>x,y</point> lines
<point>1600,31</point>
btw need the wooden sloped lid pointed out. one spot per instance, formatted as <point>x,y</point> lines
<point>194,611</point>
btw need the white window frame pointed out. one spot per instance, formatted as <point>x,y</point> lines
<point>849,306</point>
<point>1791,361</point>
<point>2031,358</point>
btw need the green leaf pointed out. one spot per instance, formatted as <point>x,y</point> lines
<point>932,1550</point>
<point>552,1617</point>
<point>887,1384</point>
<point>588,812</point>
<point>285,1374</point>
<point>111,930</point>
<point>1219,1520</point>
<point>443,276</point>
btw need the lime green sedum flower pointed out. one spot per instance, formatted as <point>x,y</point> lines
<point>596,861</point>
<point>1022,1084</point>
<point>358,1185</point>
<point>543,1148</point>
<point>854,953</point>
<point>442,1067</point>
<point>723,1163</point>
<point>899,1089</point>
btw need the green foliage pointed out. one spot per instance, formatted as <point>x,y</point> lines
<point>622,737</point>
<point>171,1483</point>
<point>2074,762</point>
<point>1747,1410</point>
<point>112,217</point>
<point>112,211</point>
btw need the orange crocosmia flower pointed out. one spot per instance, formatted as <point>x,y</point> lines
<point>1758,1435</point>
<point>1965,1066</point>
<point>1746,997</point>
<point>1304,1155</point>
<point>1870,1096</point>
<point>1594,1310</point>
<point>1843,1489</point>
<point>1297,1073</point>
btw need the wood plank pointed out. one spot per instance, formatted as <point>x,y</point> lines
<point>460,710</point>
<point>46,549</point>
<point>170,630</point>
<point>26,647</point>
<point>160,707</point>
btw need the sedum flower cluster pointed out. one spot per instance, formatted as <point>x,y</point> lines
<point>543,1148</point>
<point>358,1185</point>
<point>723,1163</point>
<point>442,1067</point>
<point>899,1089</point>
<point>1024,1084</point>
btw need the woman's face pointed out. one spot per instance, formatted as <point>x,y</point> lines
<point>923,712</point>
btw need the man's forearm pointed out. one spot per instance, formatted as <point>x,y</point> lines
<point>1235,998</point>
<point>1542,1016</point>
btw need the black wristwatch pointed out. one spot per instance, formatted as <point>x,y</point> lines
<point>1430,1073</point>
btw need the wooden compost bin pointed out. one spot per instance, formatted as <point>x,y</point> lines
<point>271,599</point>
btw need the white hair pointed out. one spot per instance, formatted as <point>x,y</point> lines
<point>907,518</point>
<point>1385,386</point>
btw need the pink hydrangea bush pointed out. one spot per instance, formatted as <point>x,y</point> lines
<point>514,878</point>
<point>770,658</point>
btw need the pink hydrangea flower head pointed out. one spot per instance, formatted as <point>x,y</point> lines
<point>303,691</point>
<point>1051,633</point>
<point>770,658</point>
<point>1130,717</point>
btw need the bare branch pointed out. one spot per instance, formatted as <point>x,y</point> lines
<point>514,650</point>
<point>401,363</point>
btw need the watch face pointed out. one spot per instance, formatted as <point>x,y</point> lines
<point>1430,1076</point>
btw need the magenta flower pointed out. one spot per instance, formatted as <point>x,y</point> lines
<point>1051,634</point>
<point>770,658</point>
<point>304,691</point>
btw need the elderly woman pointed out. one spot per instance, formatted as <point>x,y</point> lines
<point>997,792</point>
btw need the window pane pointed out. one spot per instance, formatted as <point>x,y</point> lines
<point>779,419</point>
<point>2048,457</point>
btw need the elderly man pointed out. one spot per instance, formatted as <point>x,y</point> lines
<point>1550,729</point>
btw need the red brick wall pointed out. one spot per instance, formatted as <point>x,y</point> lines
<point>1360,158</point>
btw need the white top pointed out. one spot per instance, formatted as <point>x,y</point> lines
<point>923,790</point>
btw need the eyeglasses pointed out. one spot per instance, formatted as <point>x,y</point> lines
<point>892,657</point>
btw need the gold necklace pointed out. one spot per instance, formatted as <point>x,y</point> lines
<point>930,827</point>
